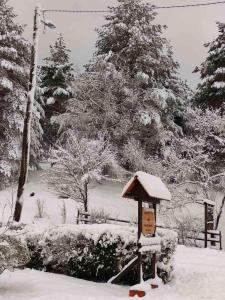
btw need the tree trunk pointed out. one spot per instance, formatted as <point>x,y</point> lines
<point>27,120</point>
<point>86,197</point>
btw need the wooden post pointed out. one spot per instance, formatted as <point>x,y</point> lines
<point>153,262</point>
<point>139,245</point>
<point>206,224</point>
<point>78,216</point>
<point>27,120</point>
<point>220,236</point>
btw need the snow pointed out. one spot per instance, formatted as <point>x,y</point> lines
<point>209,202</point>
<point>34,285</point>
<point>142,77</point>
<point>150,248</point>
<point>153,186</point>
<point>146,285</point>
<point>199,275</point>
<point>145,118</point>
<point>219,84</point>
<point>148,241</point>
<point>60,92</point>
<point>50,101</point>
<point>6,83</point>
<point>101,197</point>
<point>9,51</point>
<point>11,66</point>
<point>93,232</point>
<point>220,71</point>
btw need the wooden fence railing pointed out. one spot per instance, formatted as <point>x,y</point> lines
<point>214,237</point>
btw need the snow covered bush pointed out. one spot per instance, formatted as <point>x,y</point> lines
<point>98,216</point>
<point>13,253</point>
<point>165,263</point>
<point>77,163</point>
<point>94,252</point>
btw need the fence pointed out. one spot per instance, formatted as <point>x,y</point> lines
<point>214,237</point>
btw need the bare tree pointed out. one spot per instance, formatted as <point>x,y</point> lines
<point>77,163</point>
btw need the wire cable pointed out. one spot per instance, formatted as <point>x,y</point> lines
<point>154,6</point>
<point>190,5</point>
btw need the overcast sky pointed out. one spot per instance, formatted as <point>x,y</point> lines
<point>188,29</point>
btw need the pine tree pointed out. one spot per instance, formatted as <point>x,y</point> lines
<point>14,74</point>
<point>131,88</point>
<point>211,91</point>
<point>57,76</point>
<point>135,44</point>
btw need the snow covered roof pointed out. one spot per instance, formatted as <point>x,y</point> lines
<point>209,202</point>
<point>152,185</point>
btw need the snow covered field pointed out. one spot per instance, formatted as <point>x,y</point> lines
<point>199,275</point>
<point>103,197</point>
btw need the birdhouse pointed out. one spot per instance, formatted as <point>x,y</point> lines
<point>146,187</point>
<point>143,187</point>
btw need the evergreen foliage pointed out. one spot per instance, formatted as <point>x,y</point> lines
<point>56,79</point>
<point>14,74</point>
<point>211,91</point>
<point>130,89</point>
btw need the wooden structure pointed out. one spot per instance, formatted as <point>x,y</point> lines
<point>212,236</point>
<point>149,189</point>
<point>209,220</point>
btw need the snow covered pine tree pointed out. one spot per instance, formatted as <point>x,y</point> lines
<point>14,73</point>
<point>57,76</point>
<point>130,89</point>
<point>211,92</point>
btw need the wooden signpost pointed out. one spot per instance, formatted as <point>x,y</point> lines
<point>148,189</point>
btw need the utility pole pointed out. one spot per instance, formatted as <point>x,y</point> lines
<point>28,118</point>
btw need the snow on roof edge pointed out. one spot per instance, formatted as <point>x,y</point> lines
<point>207,201</point>
<point>152,184</point>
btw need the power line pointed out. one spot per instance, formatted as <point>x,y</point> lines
<point>190,5</point>
<point>154,6</point>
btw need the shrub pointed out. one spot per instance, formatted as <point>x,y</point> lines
<point>189,228</point>
<point>165,264</point>
<point>13,253</point>
<point>99,216</point>
<point>94,252</point>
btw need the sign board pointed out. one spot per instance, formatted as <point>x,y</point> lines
<point>148,221</point>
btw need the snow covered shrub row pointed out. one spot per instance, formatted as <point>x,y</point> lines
<point>13,252</point>
<point>94,252</point>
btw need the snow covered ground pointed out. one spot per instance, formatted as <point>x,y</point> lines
<point>103,197</point>
<point>200,275</point>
